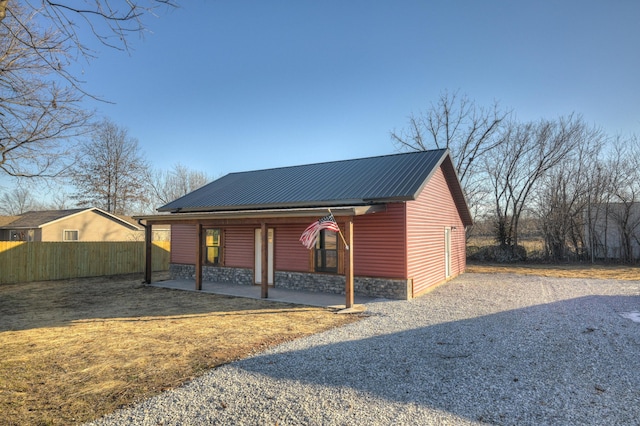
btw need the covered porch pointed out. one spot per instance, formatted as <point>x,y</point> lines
<point>262,221</point>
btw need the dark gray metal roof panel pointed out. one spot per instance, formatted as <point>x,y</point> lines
<point>35,219</point>
<point>395,177</point>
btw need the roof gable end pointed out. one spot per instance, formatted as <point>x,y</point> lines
<point>40,219</point>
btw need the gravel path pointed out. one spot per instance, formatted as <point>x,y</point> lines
<point>481,349</point>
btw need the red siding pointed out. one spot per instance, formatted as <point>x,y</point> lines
<point>379,243</point>
<point>427,218</point>
<point>290,254</point>
<point>183,244</point>
<point>239,247</point>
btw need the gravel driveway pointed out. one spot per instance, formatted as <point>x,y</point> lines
<point>481,349</point>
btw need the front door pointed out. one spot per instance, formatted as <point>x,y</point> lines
<point>258,256</point>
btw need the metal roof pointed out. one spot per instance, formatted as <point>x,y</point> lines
<point>398,177</point>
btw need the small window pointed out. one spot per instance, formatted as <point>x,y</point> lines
<point>213,246</point>
<point>327,252</point>
<point>17,235</point>
<point>70,235</point>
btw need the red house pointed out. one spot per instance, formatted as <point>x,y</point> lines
<point>402,221</point>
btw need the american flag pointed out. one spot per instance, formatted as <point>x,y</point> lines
<point>310,235</point>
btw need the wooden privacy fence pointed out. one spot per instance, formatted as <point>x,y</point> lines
<point>42,261</point>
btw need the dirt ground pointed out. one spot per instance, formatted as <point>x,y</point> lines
<point>74,350</point>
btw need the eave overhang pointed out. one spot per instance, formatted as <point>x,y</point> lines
<point>265,214</point>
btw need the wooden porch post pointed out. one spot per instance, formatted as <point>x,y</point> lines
<point>348,263</point>
<point>265,259</point>
<point>199,256</point>
<point>148,251</point>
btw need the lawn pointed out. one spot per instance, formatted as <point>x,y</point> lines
<point>75,350</point>
<point>568,270</point>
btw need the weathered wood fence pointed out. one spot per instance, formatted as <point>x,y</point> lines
<point>42,261</point>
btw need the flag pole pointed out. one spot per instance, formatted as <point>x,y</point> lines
<point>339,231</point>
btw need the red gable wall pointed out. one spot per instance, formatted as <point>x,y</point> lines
<point>427,218</point>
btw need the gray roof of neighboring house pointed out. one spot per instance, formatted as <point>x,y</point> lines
<point>397,177</point>
<point>36,219</point>
<point>4,220</point>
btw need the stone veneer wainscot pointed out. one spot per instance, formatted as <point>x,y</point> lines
<point>326,283</point>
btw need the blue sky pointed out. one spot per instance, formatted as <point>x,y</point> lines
<point>225,86</point>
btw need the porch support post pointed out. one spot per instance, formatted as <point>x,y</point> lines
<point>264,293</point>
<point>148,252</point>
<point>199,256</point>
<point>348,263</point>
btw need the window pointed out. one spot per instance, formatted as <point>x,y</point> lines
<point>213,246</point>
<point>327,252</point>
<point>70,235</point>
<point>17,236</point>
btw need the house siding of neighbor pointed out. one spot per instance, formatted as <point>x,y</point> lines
<point>71,225</point>
<point>613,231</point>
<point>401,247</point>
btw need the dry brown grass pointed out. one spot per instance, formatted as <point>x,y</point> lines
<point>617,272</point>
<point>77,349</point>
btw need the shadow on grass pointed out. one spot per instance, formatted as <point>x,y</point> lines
<point>58,303</point>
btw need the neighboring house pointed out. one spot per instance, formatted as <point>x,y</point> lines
<point>90,224</point>
<point>403,216</point>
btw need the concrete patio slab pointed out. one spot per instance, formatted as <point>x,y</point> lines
<point>276,294</point>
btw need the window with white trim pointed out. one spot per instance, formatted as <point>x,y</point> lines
<point>70,235</point>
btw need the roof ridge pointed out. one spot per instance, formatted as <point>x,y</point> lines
<point>55,210</point>
<point>339,161</point>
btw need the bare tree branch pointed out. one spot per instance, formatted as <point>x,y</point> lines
<point>168,185</point>
<point>470,132</point>
<point>526,154</point>
<point>110,169</point>
<point>39,116</point>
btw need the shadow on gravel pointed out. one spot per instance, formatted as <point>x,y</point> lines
<point>572,362</point>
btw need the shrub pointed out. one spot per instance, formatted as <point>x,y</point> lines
<point>497,253</point>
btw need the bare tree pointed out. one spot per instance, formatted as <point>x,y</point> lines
<point>39,117</point>
<point>564,195</point>
<point>40,113</point>
<point>527,152</point>
<point>110,170</point>
<point>110,21</point>
<point>598,199</point>
<point>17,201</point>
<point>60,199</point>
<point>168,185</point>
<point>470,132</point>
<point>623,212</point>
